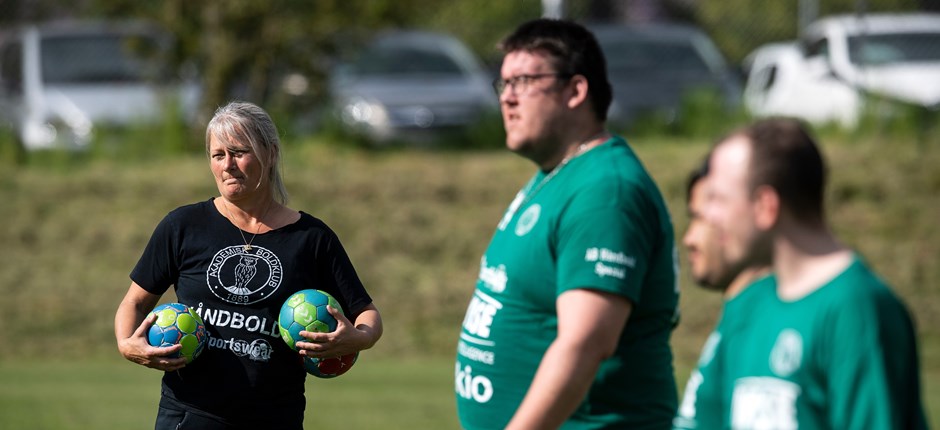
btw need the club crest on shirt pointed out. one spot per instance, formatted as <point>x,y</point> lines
<point>528,220</point>
<point>787,354</point>
<point>243,277</point>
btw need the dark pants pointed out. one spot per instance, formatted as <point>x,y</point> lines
<point>173,419</point>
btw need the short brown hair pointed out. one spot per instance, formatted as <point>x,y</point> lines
<point>785,156</point>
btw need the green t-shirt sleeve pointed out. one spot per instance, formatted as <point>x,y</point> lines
<point>857,376</point>
<point>605,240</point>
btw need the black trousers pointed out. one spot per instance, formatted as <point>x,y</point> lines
<point>174,419</point>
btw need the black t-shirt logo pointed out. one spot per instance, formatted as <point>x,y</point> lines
<point>244,277</point>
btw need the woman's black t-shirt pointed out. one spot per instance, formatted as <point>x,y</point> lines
<point>246,375</point>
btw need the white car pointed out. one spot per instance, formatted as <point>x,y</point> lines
<point>843,62</point>
<point>60,80</point>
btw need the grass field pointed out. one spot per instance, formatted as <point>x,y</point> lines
<point>110,393</point>
<point>414,222</point>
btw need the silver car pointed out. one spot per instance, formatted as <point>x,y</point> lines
<point>410,84</point>
<point>653,67</point>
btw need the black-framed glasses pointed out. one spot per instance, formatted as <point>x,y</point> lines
<point>520,84</point>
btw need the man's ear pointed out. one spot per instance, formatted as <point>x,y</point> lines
<point>578,84</point>
<point>766,207</point>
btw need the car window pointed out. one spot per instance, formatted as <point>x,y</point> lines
<point>11,68</point>
<point>764,77</point>
<point>874,49</point>
<point>643,56</point>
<point>98,58</point>
<point>817,48</point>
<point>405,61</point>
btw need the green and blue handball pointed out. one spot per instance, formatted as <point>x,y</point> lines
<point>306,310</point>
<point>178,324</point>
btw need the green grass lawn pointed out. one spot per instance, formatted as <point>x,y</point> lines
<point>415,223</point>
<point>115,394</point>
<point>378,393</point>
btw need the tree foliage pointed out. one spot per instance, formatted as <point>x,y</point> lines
<point>740,26</point>
<point>244,48</point>
<point>240,46</point>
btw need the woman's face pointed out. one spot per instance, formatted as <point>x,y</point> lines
<point>236,168</point>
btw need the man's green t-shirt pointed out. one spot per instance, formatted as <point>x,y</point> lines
<point>596,222</point>
<point>842,357</point>
<point>703,401</point>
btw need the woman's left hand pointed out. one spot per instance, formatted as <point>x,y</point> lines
<point>346,339</point>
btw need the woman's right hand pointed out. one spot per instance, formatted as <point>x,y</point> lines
<point>136,348</point>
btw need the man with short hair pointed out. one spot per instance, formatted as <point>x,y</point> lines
<point>576,298</point>
<point>830,346</point>
<point>706,267</point>
<point>701,401</point>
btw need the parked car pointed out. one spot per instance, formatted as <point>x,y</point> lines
<point>846,65</point>
<point>407,84</point>
<point>653,67</point>
<point>781,83</point>
<point>59,80</point>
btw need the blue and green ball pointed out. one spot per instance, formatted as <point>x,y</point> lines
<point>178,324</point>
<point>306,310</point>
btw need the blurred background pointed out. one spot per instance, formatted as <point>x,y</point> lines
<point>393,138</point>
<point>411,71</point>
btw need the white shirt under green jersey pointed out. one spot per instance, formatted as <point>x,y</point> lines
<point>597,222</point>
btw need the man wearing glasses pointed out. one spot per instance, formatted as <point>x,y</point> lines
<point>577,293</point>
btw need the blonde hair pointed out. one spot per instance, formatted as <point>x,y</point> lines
<point>246,123</point>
